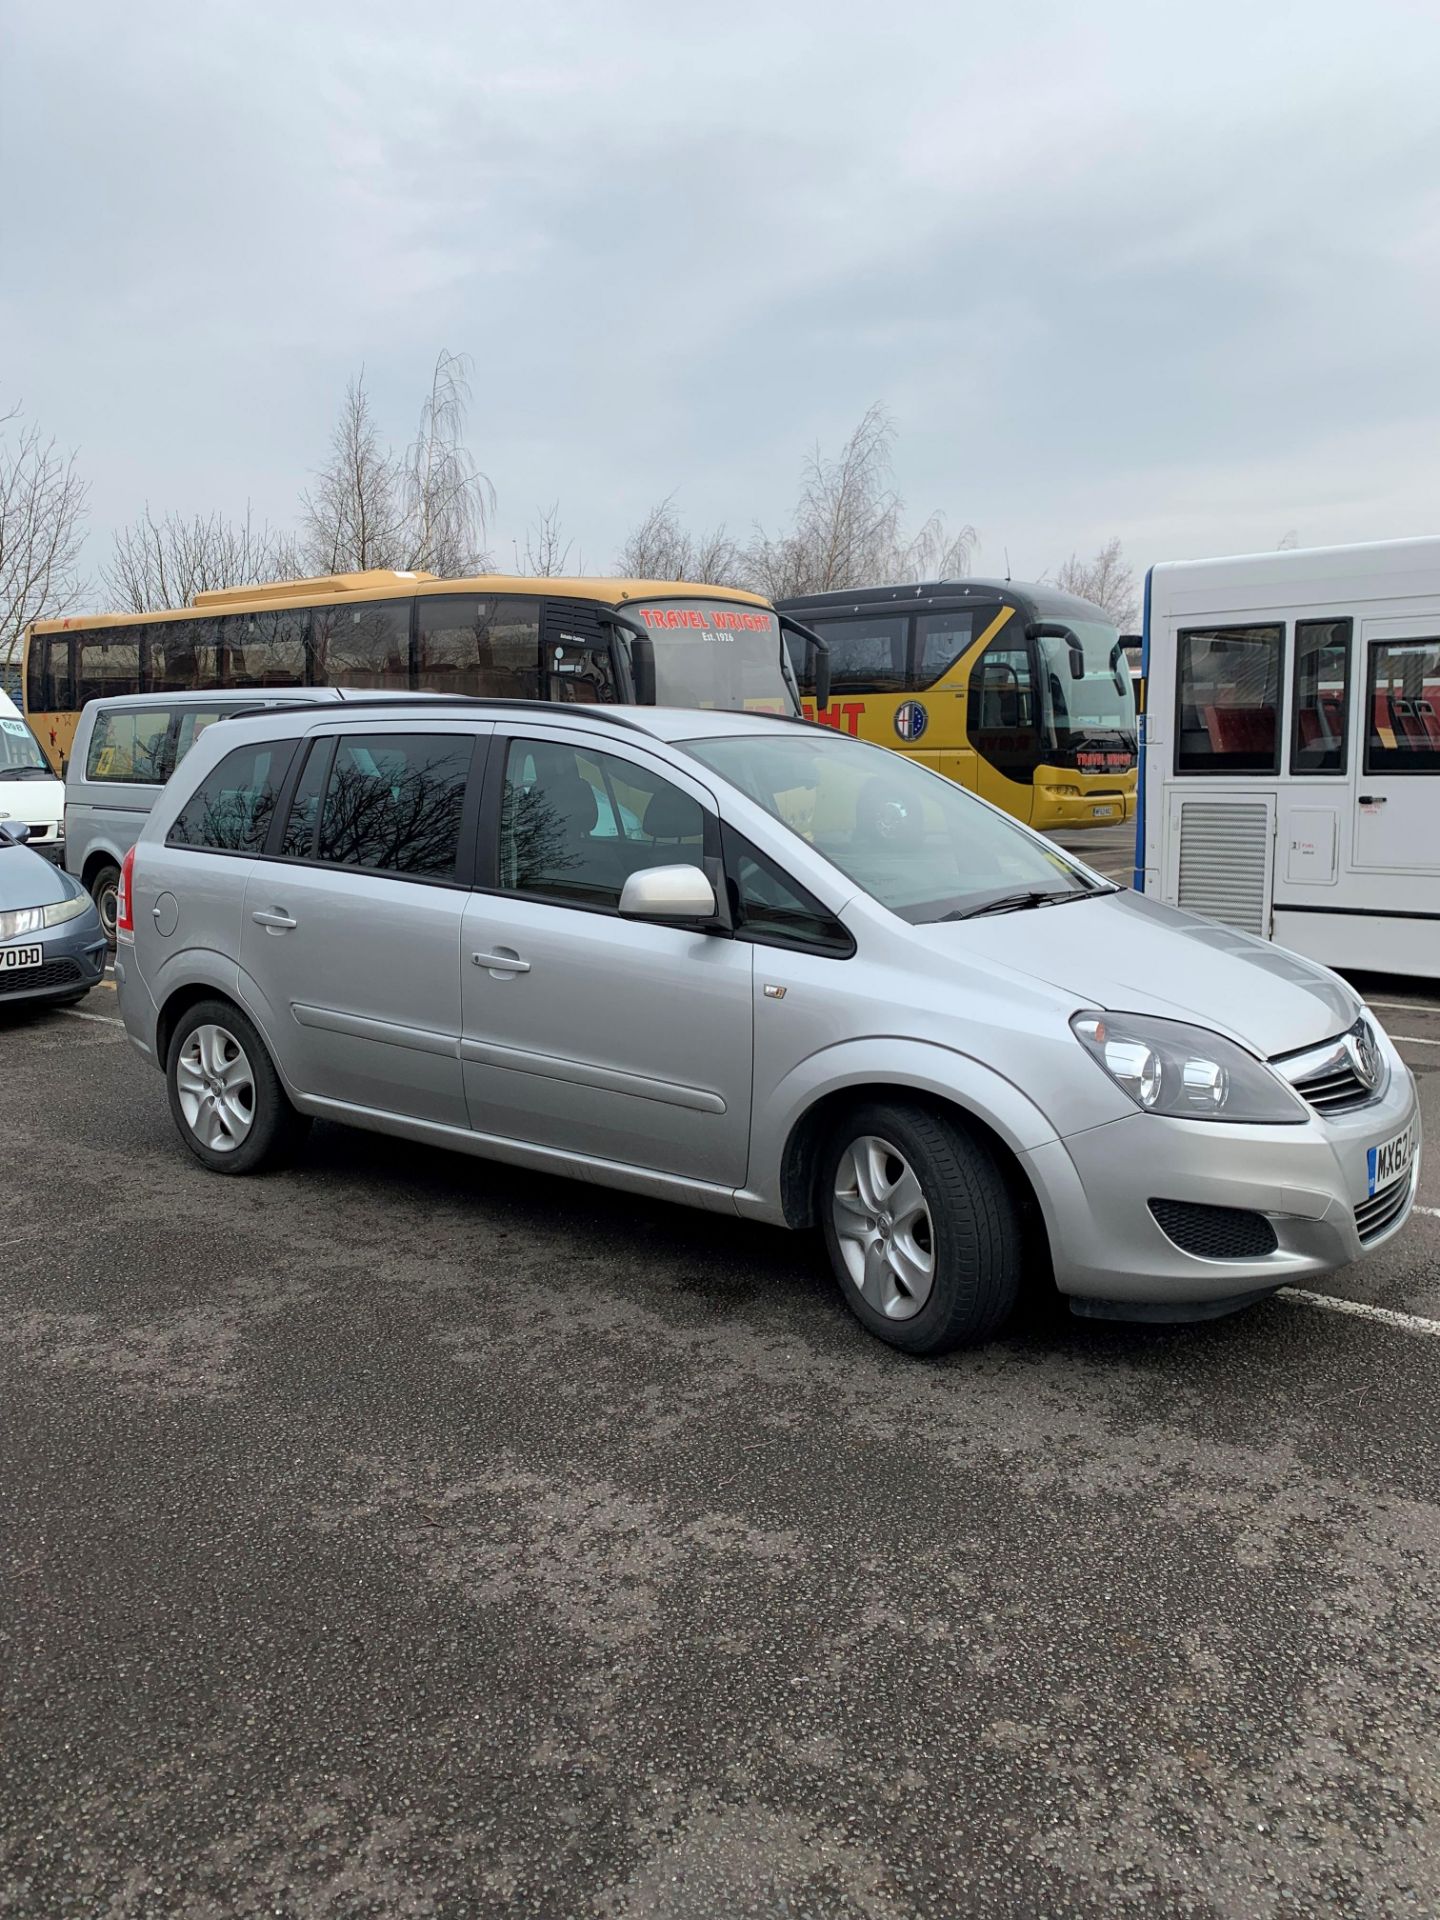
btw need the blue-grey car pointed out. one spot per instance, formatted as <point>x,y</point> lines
<point>762,968</point>
<point>52,946</point>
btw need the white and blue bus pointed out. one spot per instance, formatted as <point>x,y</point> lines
<point>1290,749</point>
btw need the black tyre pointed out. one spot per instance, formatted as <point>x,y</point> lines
<point>922,1228</point>
<point>225,1095</point>
<point>105,892</point>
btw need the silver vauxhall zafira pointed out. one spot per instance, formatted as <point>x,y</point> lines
<point>757,967</point>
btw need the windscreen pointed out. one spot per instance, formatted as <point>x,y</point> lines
<point>19,750</point>
<point>710,654</point>
<point>914,841</point>
<point>1102,699</point>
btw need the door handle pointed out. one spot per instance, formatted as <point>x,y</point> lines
<point>501,962</point>
<point>275,920</point>
<point>1372,799</point>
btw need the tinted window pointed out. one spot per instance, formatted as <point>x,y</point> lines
<point>304,815</point>
<point>265,649</point>
<point>866,655</point>
<point>487,646</point>
<point>1322,696</point>
<point>184,655</point>
<point>1001,717</point>
<point>941,638</point>
<point>771,909</point>
<point>130,746</point>
<point>108,664</point>
<point>1403,704</point>
<point>366,646</point>
<point>1229,700</point>
<point>575,825</point>
<point>231,810</point>
<point>393,803</point>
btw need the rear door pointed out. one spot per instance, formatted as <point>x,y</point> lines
<point>351,936</point>
<point>601,1037</point>
<point>1397,799</point>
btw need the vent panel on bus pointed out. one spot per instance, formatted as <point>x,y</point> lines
<point>1224,857</point>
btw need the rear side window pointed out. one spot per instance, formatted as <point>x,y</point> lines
<point>231,810</point>
<point>1229,700</point>
<point>108,664</point>
<point>941,638</point>
<point>574,825</point>
<point>393,803</point>
<point>489,646</point>
<point>1322,696</point>
<point>867,655</point>
<point>366,647</point>
<point>130,747</point>
<point>265,649</point>
<point>1403,705</point>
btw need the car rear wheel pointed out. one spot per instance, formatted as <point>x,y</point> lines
<point>104,891</point>
<point>922,1229</point>
<point>225,1095</point>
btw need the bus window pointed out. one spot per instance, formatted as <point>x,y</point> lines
<point>1002,710</point>
<point>941,638</point>
<point>1229,700</point>
<point>1322,696</point>
<point>366,647</point>
<point>184,655</point>
<point>866,655</point>
<point>107,663</point>
<point>265,649</point>
<point>1403,703</point>
<point>485,646</point>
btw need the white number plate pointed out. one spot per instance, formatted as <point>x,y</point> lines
<point>1391,1160</point>
<point>1101,813</point>
<point>13,957</point>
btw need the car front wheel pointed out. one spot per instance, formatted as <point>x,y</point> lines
<point>922,1228</point>
<point>225,1095</point>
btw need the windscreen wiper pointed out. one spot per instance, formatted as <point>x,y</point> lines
<point>1031,897</point>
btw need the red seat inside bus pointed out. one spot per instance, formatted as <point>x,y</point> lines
<point>1234,730</point>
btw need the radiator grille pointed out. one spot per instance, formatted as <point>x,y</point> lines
<point>1224,861</point>
<point>1372,1217</point>
<point>54,973</point>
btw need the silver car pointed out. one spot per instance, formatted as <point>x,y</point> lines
<point>761,968</point>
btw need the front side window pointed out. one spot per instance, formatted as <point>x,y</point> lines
<point>365,647</point>
<point>1228,706</point>
<point>1403,705</point>
<point>184,655</point>
<point>393,803</point>
<point>107,664</point>
<point>772,910</point>
<point>867,655</point>
<point>913,840</point>
<point>488,646</point>
<point>130,746</point>
<point>574,825</point>
<point>231,810</point>
<point>1322,696</point>
<point>265,649</point>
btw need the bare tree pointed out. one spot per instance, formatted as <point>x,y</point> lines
<point>547,551</point>
<point>662,548</point>
<point>43,506</point>
<point>848,529</point>
<point>447,500</point>
<point>1107,580</point>
<point>165,563</point>
<point>354,518</point>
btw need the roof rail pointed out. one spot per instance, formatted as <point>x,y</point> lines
<point>403,703</point>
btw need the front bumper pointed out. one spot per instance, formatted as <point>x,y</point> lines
<point>1107,807</point>
<point>72,961</point>
<point>1095,1188</point>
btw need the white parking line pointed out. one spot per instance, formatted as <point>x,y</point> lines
<point>1413,1040</point>
<point>1386,1316</point>
<point>103,1019</point>
<point>1434,1212</point>
<point>1405,1006</point>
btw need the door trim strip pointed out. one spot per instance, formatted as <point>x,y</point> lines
<point>388,1032</point>
<point>585,1073</point>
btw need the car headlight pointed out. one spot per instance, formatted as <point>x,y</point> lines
<point>34,919</point>
<point>66,910</point>
<point>1186,1073</point>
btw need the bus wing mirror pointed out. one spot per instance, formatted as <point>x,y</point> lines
<point>1053,630</point>
<point>642,667</point>
<point>822,675</point>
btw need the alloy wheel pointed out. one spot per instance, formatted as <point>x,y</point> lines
<point>884,1229</point>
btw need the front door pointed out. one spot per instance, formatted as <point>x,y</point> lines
<point>1003,723</point>
<point>1397,795</point>
<point>351,936</point>
<point>604,1038</point>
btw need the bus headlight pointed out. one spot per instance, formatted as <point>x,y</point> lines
<point>1186,1073</point>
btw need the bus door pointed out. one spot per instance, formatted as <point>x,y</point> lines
<point>1397,789</point>
<point>1004,721</point>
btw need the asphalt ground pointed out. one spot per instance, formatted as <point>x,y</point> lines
<point>399,1535</point>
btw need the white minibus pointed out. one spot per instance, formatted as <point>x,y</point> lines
<point>1290,749</point>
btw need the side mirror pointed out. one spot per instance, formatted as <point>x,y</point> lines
<point>1053,630</point>
<point>821,658</point>
<point>668,893</point>
<point>642,667</point>
<point>13,833</point>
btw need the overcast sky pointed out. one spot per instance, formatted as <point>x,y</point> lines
<point>1168,272</point>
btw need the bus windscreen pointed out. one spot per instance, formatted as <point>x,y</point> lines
<point>710,654</point>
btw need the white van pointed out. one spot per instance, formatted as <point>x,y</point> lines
<point>29,791</point>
